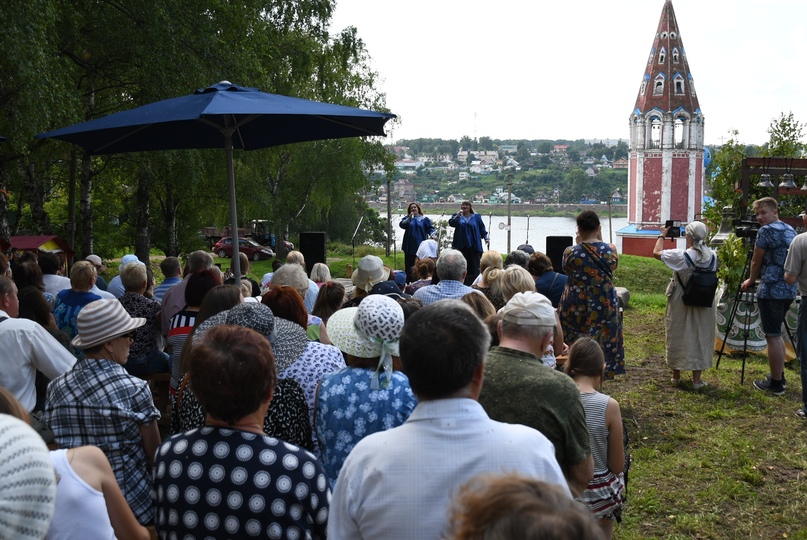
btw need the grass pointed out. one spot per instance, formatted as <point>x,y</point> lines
<point>724,462</point>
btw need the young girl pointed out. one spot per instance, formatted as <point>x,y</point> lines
<point>606,491</point>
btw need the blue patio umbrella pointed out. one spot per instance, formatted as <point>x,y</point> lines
<point>221,116</point>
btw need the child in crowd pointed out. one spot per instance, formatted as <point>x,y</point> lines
<point>605,494</point>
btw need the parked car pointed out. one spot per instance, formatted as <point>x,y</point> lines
<point>250,248</point>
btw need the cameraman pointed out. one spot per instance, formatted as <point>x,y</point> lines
<point>774,294</point>
<point>796,270</point>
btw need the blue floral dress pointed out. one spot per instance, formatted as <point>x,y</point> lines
<point>588,306</point>
<point>348,410</point>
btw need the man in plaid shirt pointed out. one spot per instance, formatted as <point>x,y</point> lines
<point>98,403</point>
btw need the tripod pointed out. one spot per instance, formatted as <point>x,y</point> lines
<point>747,299</point>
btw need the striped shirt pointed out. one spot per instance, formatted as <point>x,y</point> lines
<point>595,404</point>
<point>181,325</point>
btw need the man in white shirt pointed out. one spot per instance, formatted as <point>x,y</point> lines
<point>399,483</point>
<point>26,347</point>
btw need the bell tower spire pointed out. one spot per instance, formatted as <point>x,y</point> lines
<point>665,172</point>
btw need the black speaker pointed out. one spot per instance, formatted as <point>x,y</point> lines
<point>312,246</point>
<point>555,246</point>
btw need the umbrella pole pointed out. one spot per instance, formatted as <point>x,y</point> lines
<point>236,264</point>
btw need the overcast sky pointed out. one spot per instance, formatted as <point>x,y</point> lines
<point>542,69</point>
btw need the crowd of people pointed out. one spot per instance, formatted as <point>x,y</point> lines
<point>455,392</point>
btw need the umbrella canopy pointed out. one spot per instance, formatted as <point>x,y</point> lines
<point>221,116</point>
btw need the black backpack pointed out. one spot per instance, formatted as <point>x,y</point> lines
<point>700,290</point>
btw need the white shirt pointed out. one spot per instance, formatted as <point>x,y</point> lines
<point>55,283</point>
<point>26,347</point>
<point>400,483</point>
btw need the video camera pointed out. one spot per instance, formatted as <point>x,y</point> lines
<point>745,228</point>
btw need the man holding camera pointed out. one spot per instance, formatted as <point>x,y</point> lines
<point>796,271</point>
<point>774,294</point>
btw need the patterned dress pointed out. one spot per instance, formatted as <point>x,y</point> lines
<point>348,410</point>
<point>216,482</point>
<point>589,305</point>
<point>286,418</point>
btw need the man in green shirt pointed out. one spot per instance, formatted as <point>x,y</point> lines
<point>519,389</point>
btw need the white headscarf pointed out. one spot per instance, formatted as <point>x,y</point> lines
<point>697,232</point>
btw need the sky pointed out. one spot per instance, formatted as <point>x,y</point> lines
<point>544,69</point>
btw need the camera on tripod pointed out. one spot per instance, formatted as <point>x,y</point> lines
<point>745,228</point>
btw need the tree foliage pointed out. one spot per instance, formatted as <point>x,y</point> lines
<point>70,61</point>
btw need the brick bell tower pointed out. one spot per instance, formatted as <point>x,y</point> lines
<point>665,171</point>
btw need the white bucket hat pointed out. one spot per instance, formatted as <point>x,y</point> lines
<point>27,481</point>
<point>101,321</point>
<point>369,331</point>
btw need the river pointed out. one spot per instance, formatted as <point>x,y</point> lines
<point>524,230</point>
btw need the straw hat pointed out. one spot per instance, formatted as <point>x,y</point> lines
<point>288,339</point>
<point>369,271</point>
<point>27,481</point>
<point>101,321</point>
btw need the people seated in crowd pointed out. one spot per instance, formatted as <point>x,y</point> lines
<point>174,298</point>
<point>310,296</point>
<point>491,268</point>
<point>519,389</point>
<point>115,286</point>
<point>182,322</point>
<point>293,275</point>
<point>518,258</point>
<point>371,394</point>
<point>27,482</point>
<point>451,267</point>
<point>26,347</point>
<point>424,270</point>
<point>399,483</point>
<point>145,354</point>
<point>547,282</point>
<point>320,274</point>
<point>171,270</point>
<point>52,268</point>
<point>230,479</point>
<point>28,274</point>
<point>99,403</point>
<point>69,302</point>
<point>287,417</point>
<point>369,271</point>
<point>98,263</point>
<point>516,507</point>
<point>330,299</point>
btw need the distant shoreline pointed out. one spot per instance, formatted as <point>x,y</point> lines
<point>543,210</point>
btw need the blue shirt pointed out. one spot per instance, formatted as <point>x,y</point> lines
<point>348,410</point>
<point>775,239</point>
<point>447,288</point>
<point>551,285</point>
<point>468,232</point>
<point>417,230</point>
<point>162,288</point>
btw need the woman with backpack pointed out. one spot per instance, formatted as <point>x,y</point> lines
<point>690,329</point>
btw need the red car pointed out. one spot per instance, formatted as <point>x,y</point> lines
<point>250,248</point>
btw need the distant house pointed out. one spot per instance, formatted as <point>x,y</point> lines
<point>621,163</point>
<point>464,176</point>
<point>591,171</point>
<point>409,166</point>
<point>479,197</point>
<point>617,198</point>
<point>405,190</point>
<point>560,148</point>
<point>508,148</point>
